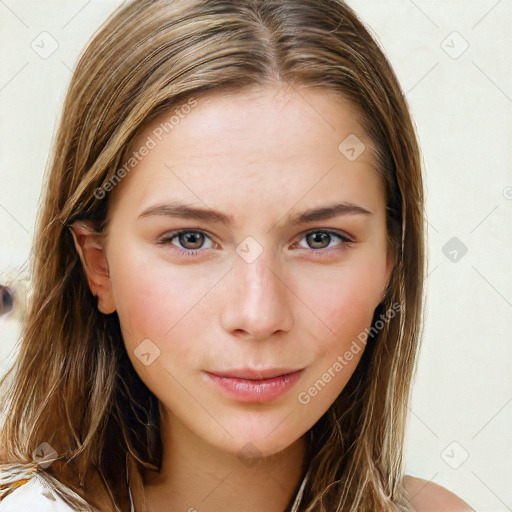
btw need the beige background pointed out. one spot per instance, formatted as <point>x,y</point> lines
<point>453,59</point>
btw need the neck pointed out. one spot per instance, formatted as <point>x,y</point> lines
<point>197,477</point>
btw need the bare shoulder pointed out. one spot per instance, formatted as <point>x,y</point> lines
<point>427,496</point>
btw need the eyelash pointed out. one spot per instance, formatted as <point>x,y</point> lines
<point>194,253</point>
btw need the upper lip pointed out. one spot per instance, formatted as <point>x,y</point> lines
<point>254,374</point>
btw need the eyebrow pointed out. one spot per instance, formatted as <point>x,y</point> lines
<point>187,211</point>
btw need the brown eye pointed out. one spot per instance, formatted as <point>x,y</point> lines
<point>318,240</point>
<point>191,239</point>
<point>322,239</point>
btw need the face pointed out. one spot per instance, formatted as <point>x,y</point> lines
<point>235,320</point>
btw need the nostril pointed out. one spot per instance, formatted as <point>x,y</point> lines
<point>7,300</point>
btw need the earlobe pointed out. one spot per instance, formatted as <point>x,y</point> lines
<point>89,245</point>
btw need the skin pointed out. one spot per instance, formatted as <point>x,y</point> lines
<point>260,156</point>
<point>427,496</point>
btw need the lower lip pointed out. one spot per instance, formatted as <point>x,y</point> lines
<point>245,390</point>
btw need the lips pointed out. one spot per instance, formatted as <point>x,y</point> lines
<point>252,374</point>
<point>250,385</point>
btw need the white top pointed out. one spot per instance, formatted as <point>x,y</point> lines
<point>34,496</point>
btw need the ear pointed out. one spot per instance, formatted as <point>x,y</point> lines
<point>90,247</point>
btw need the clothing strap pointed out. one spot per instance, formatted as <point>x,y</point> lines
<point>127,474</point>
<point>300,492</point>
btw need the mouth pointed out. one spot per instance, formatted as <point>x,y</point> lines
<point>249,385</point>
<point>252,374</point>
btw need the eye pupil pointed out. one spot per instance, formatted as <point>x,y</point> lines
<point>320,238</point>
<point>193,237</point>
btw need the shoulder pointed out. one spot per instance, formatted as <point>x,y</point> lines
<point>426,496</point>
<point>34,495</point>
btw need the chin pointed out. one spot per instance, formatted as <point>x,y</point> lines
<point>259,439</point>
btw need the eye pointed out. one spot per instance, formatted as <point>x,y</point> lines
<point>322,240</point>
<point>189,241</point>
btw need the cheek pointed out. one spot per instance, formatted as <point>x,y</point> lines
<point>345,303</point>
<point>157,303</point>
<point>154,300</point>
<point>344,299</point>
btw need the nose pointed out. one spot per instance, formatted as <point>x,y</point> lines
<point>256,300</point>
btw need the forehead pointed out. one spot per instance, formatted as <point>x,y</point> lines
<point>229,143</point>
<point>299,118</point>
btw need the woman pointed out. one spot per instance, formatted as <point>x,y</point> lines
<point>228,289</point>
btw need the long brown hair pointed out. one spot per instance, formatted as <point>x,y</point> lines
<point>73,385</point>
